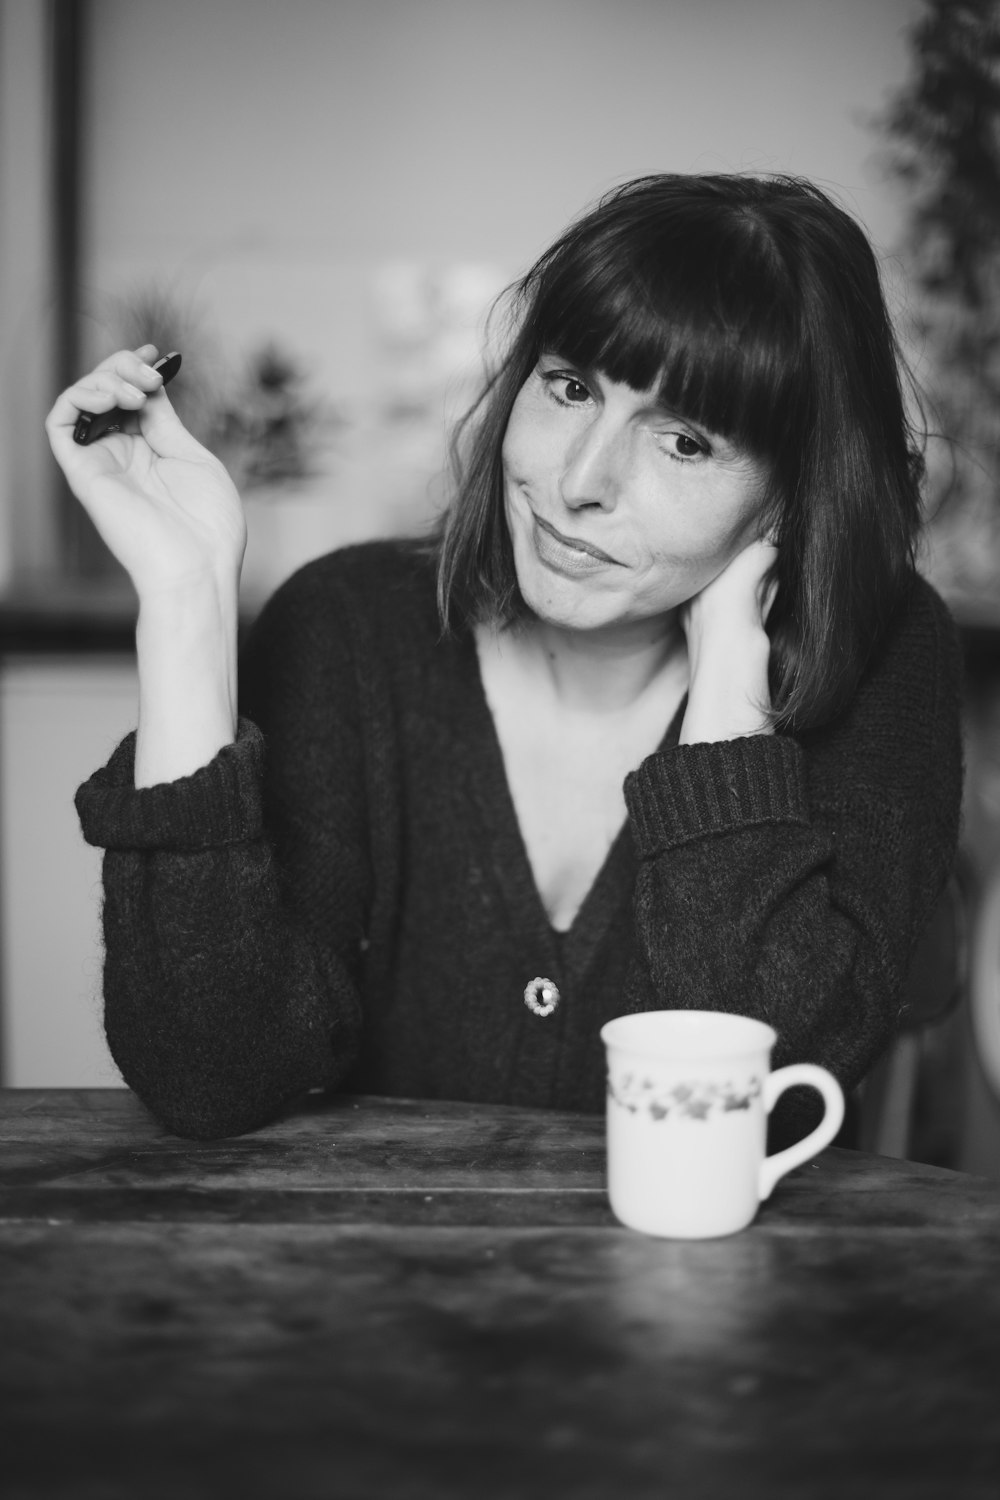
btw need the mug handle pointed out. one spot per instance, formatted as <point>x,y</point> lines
<point>774,1167</point>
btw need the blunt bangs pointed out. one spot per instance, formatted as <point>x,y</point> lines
<point>699,311</point>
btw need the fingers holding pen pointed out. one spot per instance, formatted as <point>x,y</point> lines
<point>163,503</point>
<point>126,380</point>
<point>125,376</point>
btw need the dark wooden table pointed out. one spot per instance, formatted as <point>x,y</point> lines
<point>381,1298</point>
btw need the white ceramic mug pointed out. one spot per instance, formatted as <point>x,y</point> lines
<point>689,1093</point>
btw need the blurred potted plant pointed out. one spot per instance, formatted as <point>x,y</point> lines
<point>157,314</point>
<point>274,437</point>
<point>272,433</point>
<point>269,429</point>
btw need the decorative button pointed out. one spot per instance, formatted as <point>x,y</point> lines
<point>541,997</point>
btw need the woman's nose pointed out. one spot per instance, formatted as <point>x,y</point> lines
<point>591,470</point>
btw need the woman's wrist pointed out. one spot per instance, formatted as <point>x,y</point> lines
<point>728,692</point>
<point>186,646</point>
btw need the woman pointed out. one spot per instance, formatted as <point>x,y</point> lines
<point>689,737</point>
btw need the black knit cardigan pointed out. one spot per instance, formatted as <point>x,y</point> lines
<point>343,898</point>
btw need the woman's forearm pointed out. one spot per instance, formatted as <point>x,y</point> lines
<point>186,648</point>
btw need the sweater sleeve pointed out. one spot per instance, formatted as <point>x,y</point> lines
<point>231,969</point>
<point>790,879</point>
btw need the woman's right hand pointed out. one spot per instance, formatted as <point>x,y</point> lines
<point>164,505</point>
<point>170,514</point>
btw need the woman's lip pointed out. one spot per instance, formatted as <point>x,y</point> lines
<point>574,543</point>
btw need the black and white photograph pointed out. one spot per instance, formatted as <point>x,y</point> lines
<point>499,749</point>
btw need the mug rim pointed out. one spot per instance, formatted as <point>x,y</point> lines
<point>703,1040</point>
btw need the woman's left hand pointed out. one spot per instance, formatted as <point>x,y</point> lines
<point>729,651</point>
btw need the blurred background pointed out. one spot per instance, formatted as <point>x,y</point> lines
<point>316,202</point>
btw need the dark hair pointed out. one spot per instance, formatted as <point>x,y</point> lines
<point>755,304</point>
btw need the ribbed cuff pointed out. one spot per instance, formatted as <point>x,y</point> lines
<point>218,804</point>
<point>693,790</point>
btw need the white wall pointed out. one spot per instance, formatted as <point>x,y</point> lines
<point>358,129</point>
<point>59,721</point>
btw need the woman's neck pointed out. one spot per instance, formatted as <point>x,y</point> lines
<point>601,671</point>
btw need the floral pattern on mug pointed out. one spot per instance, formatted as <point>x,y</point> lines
<point>692,1101</point>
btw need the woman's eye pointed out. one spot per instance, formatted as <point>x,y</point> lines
<point>682,445</point>
<point>566,389</point>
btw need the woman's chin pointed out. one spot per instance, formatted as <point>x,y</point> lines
<point>575,608</point>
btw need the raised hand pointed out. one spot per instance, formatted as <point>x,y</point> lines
<point>163,504</point>
<point>729,651</point>
<point>170,514</point>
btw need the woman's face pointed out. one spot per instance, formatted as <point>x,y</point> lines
<point>618,510</point>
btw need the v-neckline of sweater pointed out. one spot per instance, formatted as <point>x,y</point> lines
<point>569,948</point>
